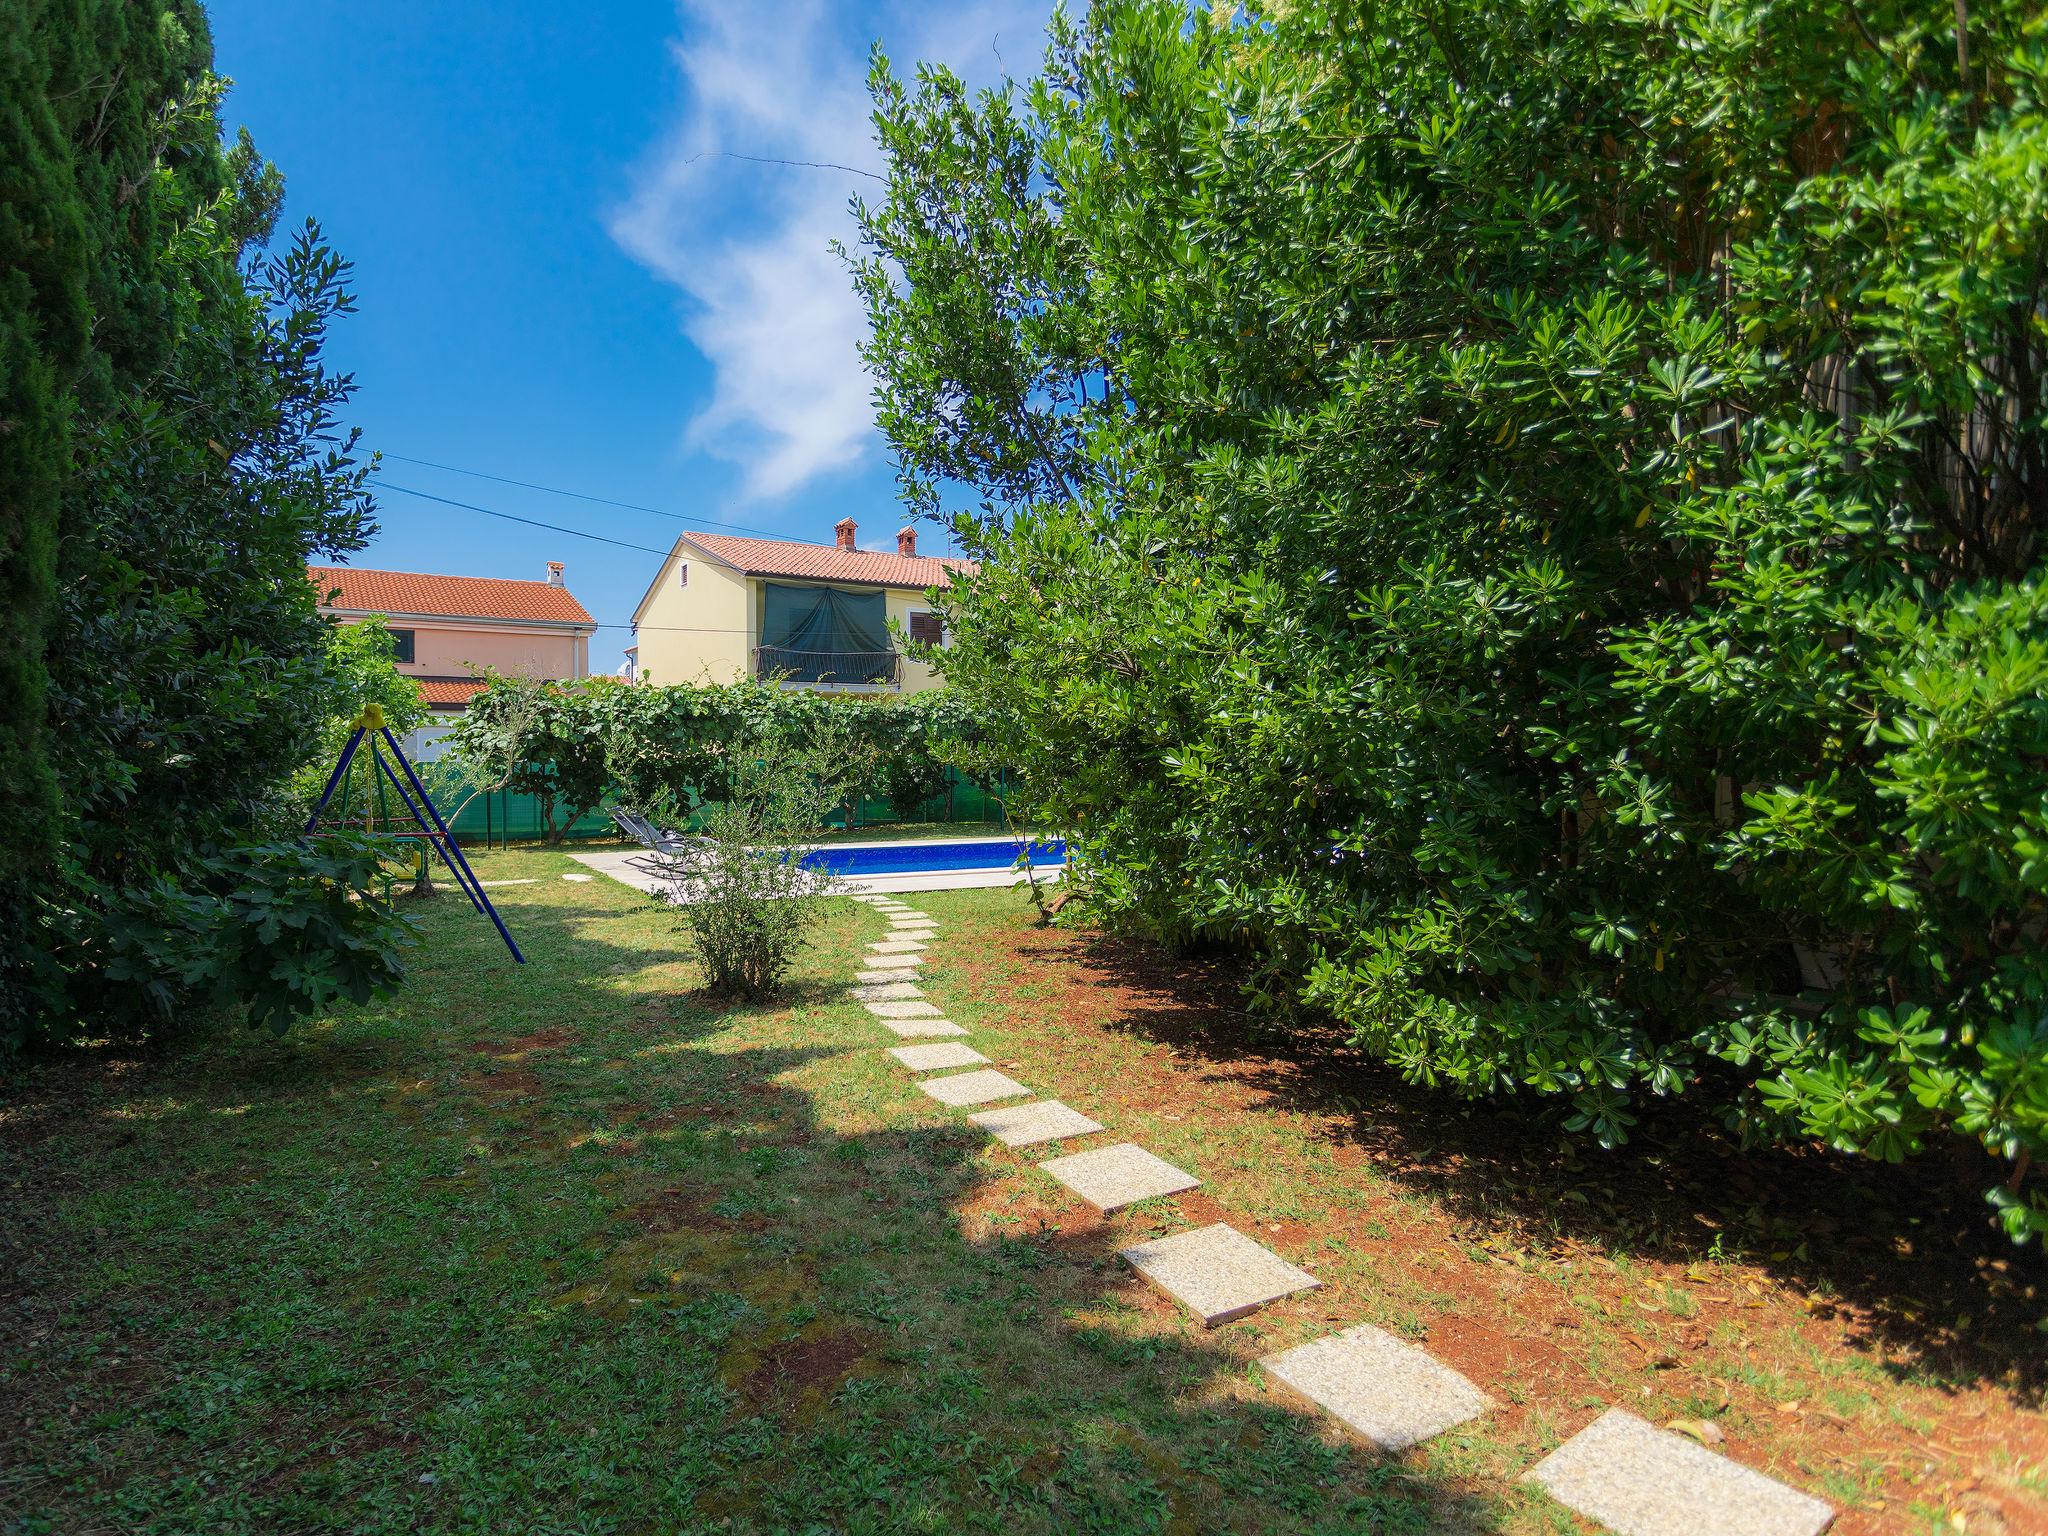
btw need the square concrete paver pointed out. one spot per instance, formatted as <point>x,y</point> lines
<point>1217,1272</point>
<point>912,930</point>
<point>973,1087</point>
<point>884,991</point>
<point>931,1058</point>
<point>1392,1393</point>
<point>913,1029</point>
<point>1110,1178</point>
<point>895,946</point>
<point>1024,1125</point>
<point>904,1008</point>
<point>868,978</point>
<point>1640,1480</point>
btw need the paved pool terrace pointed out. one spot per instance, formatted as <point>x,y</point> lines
<point>977,862</point>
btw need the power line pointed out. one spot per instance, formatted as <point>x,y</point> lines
<point>809,165</point>
<point>531,522</point>
<point>603,501</point>
<point>576,533</point>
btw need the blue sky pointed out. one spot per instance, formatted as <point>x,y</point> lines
<point>564,278</point>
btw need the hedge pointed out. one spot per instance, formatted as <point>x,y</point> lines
<point>1526,517</point>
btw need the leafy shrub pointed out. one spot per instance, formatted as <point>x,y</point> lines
<point>287,928</point>
<point>1527,517</point>
<point>747,897</point>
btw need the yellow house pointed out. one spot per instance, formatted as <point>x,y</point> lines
<point>814,615</point>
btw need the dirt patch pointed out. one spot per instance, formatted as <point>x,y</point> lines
<point>810,1362</point>
<point>1523,1370</point>
<point>683,1210</point>
<point>505,1085</point>
<point>1289,1239</point>
<point>553,1039</point>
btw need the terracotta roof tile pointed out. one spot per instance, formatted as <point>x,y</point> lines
<point>827,562</point>
<point>449,690</point>
<point>457,597</point>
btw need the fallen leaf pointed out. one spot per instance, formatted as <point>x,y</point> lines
<point>1698,1429</point>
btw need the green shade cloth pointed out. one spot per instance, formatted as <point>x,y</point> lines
<point>816,634</point>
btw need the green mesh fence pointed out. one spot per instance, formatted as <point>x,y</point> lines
<point>486,818</point>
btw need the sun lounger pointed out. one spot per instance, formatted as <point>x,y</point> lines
<point>679,847</point>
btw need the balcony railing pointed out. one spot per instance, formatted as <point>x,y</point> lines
<point>830,667</point>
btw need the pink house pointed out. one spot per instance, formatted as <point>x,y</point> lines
<point>445,625</point>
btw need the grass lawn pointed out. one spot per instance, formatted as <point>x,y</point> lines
<point>564,1249</point>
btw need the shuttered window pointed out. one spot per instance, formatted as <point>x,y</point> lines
<point>927,629</point>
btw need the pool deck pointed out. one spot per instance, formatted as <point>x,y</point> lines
<point>643,871</point>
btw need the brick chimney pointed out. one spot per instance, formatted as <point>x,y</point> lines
<point>554,573</point>
<point>906,541</point>
<point>845,528</point>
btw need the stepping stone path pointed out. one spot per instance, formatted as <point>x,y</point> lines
<point>934,1058</point>
<point>1643,1481</point>
<point>1391,1393</point>
<point>1217,1272</point>
<point>1627,1474</point>
<point>973,1088</point>
<point>1024,1125</point>
<point>910,1029</point>
<point>902,1008</point>
<point>886,991</point>
<point>1110,1178</point>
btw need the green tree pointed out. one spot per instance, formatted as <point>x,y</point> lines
<point>1526,517</point>
<point>183,431</point>
<point>541,738</point>
<point>362,660</point>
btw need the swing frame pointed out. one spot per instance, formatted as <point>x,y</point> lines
<point>370,727</point>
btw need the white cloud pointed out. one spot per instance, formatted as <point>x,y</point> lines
<point>770,306</point>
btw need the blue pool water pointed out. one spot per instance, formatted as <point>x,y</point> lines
<point>924,858</point>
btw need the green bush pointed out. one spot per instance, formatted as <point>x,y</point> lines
<point>1527,517</point>
<point>746,894</point>
<point>286,928</point>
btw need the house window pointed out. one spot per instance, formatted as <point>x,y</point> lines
<point>927,629</point>
<point>401,644</point>
<point>682,573</point>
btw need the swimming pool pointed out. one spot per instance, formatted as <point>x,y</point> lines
<point>928,858</point>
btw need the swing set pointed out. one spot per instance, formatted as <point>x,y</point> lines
<point>421,825</point>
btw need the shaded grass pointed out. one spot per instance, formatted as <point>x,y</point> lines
<point>563,1248</point>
